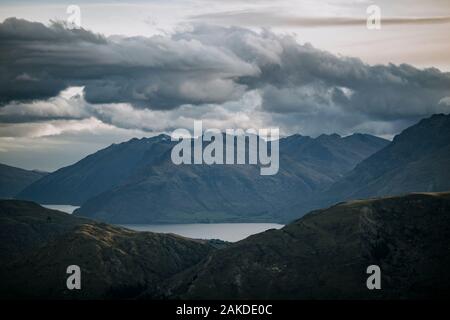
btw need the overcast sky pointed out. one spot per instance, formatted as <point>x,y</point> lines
<point>145,67</point>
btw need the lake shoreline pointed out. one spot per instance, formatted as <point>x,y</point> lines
<point>225,231</point>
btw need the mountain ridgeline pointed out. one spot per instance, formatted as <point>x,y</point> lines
<point>136,181</point>
<point>13,180</point>
<point>417,160</point>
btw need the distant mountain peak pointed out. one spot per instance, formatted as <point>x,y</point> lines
<point>156,138</point>
<point>332,136</point>
<point>417,160</point>
<point>364,137</point>
<point>162,137</point>
<point>359,134</point>
<point>437,125</point>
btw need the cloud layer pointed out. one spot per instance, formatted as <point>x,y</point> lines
<point>206,64</point>
<point>227,76</point>
<point>158,72</point>
<point>273,18</point>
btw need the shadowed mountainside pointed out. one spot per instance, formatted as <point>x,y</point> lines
<point>38,244</point>
<point>418,159</point>
<point>136,181</point>
<point>97,172</point>
<point>161,192</point>
<point>13,180</point>
<point>324,255</point>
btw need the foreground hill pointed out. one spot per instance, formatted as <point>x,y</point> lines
<point>324,255</point>
<point>161,192</point>
<point>38,244</point>
<point>13,180</point>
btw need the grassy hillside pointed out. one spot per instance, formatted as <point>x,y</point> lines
<point>38,244</point>
<point>324,255</point>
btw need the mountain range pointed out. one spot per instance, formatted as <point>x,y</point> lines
<point>136,181</point>
<point>323,255</point>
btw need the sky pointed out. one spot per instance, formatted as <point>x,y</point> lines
<point>139,68</point>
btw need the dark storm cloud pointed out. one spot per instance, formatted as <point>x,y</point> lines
<point>309,80</point>
<point>301,79</point>
<point>37,62</point>
<point>212,64</point>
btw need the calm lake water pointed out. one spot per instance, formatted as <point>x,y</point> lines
<point>224,231</point>
<point>61,207</point>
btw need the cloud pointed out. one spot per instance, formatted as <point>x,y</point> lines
<point>226,76</point>
<point>300,79</point>
<point>69,104</point>
<point>51,128</point>
<point>156,72</point>
<point>272,18</point>
<point>53,144</point>
<point>70,112</point>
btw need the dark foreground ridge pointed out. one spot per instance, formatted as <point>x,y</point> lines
<point>38,244</point>
<point>323,255</point>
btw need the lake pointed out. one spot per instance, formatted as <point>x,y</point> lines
<point>224,231</point>
<point>61,207</point>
